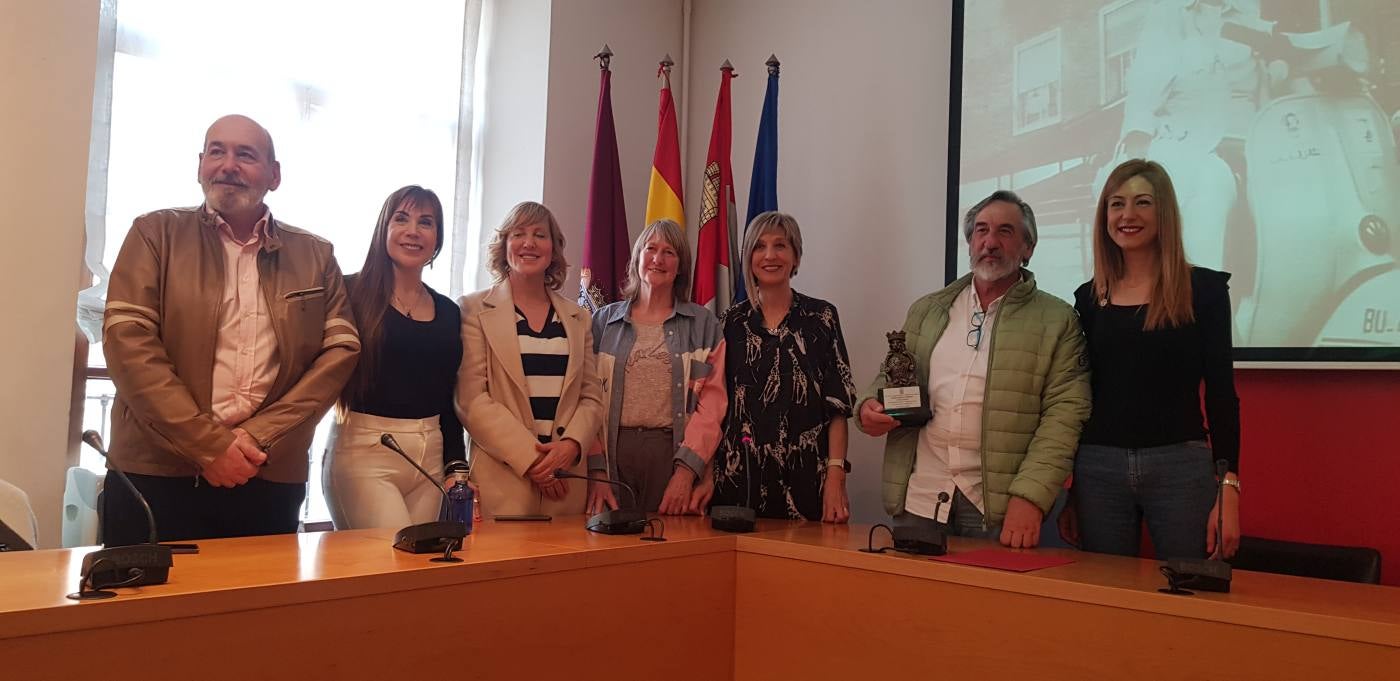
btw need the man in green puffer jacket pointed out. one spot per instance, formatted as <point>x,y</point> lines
<point>1004,368</point>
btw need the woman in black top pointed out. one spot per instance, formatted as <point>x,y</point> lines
<point>783,452</point>
<point>1157,328</point>
<point>411,346</point>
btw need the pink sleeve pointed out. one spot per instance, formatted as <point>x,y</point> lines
<point>702,433</point>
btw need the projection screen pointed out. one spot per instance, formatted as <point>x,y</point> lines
<point>1276,119</point>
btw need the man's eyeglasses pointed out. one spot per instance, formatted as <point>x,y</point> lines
<point>974,337</point>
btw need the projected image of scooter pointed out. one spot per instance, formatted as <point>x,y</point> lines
<point>1190,95</point>
<point>1323,187</point>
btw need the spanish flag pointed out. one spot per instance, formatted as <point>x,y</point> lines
<point>664,193</point>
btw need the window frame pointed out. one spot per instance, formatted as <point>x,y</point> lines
<point>1054,34</point>
<point>1104,12</point>
<point>116,41</point>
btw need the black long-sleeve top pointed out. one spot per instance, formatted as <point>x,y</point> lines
<point>1147,384</point>
<point>416,374</point>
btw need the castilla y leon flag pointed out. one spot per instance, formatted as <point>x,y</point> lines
<point>664,193</point>
<point>605,243</point>
<point>716,255</point>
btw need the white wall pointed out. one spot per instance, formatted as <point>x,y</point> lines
<point>542,102</point>
<point>863,121</point>
<point>639,32</point>
<point>517,93</point>
<point>49,50</point>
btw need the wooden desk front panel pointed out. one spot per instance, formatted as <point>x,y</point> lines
<point>674,616</point>
<point>800,619</point>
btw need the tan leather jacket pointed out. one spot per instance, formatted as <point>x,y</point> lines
<point>159,333</point>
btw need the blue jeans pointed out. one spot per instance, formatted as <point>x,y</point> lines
<point>1172,487</point>
<point>964,520</point>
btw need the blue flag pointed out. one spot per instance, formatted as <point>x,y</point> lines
<point>763,184</point>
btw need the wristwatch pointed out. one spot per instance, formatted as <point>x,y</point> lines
<point>843,463</point>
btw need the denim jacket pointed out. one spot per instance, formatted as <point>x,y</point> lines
<point>698,398</point>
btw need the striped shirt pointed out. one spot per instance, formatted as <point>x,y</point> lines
<point>545,357</point>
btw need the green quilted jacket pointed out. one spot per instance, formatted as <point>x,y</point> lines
<point>1037,396</point>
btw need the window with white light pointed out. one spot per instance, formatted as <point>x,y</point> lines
<point>360,99</point>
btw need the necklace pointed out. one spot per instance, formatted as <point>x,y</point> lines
<point>406,309</point>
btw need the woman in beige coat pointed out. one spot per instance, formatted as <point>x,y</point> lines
<point>528,389</point>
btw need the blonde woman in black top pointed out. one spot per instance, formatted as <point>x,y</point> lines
<point>1158,329</point>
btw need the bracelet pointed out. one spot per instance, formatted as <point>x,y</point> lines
<point>1233,483</point>
<point>839,463</point>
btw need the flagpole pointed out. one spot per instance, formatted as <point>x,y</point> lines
<point>727,195</point>
<point>665,188</point>
<point>715,250</point>
<point>605,244</point>
<point>763,182</point>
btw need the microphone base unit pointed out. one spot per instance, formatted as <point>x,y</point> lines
<point>1201,574</point>
<point>135,565</point>
<point>921,540</point>
<point>618,522</point>
<point>432,537</point>
<point>733,518</point>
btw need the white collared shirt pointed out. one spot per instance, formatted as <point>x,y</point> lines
<point>949,453</point>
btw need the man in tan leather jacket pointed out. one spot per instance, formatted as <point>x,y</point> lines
<point>228,335</point>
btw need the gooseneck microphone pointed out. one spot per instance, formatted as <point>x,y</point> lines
<point>737,518</point>
<point>429,537</point>
<point>1206,574</point>
<point>925,539</point>
<point>92,439</point>
<point>119,566</point>
<point>620,521</point>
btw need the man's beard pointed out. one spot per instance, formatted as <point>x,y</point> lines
<point>225,200</point>
<point>994,271</point>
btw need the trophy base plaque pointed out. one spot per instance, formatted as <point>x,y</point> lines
<point>906,405</point>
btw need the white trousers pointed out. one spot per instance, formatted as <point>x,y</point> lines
<point>368,485</point>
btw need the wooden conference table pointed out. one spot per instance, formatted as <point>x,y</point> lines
<point>792,601</point>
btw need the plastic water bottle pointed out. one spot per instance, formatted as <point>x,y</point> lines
<point>459,497</point>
